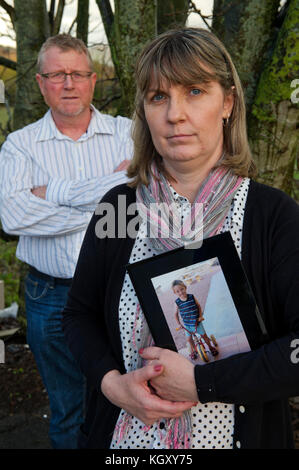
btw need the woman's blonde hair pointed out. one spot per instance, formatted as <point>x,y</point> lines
<point>188,56</point>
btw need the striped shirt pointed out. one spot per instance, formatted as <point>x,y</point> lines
<point>188,310</point>
<point>77,174</point>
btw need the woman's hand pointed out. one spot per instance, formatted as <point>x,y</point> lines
<point>132,393</point>
<point>176,382</point>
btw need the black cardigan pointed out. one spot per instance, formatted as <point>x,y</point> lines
<point>261,380</point>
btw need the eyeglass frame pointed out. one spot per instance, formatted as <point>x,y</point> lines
<point>47,75</point>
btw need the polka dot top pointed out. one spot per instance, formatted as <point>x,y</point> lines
<point>212,424</point>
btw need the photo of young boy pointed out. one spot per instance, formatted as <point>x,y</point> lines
<point>200,312</point>
<point>190,312</point>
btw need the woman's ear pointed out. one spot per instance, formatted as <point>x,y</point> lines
<point>228,103</point>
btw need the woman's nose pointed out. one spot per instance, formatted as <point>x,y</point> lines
<point>176,109</point>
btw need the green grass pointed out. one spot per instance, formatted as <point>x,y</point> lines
<point>3,121</point>
<point>10,270</point>
<point>3,114</point>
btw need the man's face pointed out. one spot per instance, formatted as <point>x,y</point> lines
<point>69,98</point>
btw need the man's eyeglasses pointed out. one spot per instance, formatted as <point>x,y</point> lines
<point>60,77</point>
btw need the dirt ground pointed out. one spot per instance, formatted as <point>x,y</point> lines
<point>24,406</point>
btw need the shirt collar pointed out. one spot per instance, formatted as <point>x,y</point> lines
<point>176,196</point>
<point>238,201</point>
<point>99,124</point>
<point>234,214</point>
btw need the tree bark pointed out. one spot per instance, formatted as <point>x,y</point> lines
<point>131,26</point>
<point>29,26</point>
<point>247,30</point>
<point>58,17</point>
<point>82,20</point>
<point>9,9</point>
<point>273,125</point>
<point>107,16</point>
<point>171,14</point>
<point>8,63</point>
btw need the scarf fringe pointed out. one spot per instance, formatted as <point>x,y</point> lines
<point>177,435</point>
<point>122,427</point>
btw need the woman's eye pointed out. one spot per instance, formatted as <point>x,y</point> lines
<point>158,97</point>
<point>195,91</point>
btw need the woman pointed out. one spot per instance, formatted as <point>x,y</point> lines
<point>190,146</point>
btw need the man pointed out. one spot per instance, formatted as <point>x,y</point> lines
<point>52,174</point>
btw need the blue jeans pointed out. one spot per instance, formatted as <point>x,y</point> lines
<point>62,378</point>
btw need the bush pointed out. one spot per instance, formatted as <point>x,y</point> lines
<point>11,270</point>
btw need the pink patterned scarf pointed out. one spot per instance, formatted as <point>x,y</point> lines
<point>207,212</point>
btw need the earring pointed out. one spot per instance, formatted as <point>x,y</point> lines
<point>226,121</point>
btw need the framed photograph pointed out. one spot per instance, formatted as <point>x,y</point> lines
<point>198,302</point>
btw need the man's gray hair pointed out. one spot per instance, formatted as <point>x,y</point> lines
<point>65,42</point>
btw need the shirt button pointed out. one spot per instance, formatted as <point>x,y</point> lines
<point>238,444</point>
<point>242,409</point>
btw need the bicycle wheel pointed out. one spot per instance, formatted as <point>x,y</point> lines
<point>202,353</point>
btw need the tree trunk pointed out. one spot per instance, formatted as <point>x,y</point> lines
<point>171,14</point>
<point>29,24</point>
<point>8,63</point>
<point>247,30</point>
<point>58,17</point>
<point>273,124</point>
<point>134,25</point>
<point>82,20</point>
<point>131,26</point>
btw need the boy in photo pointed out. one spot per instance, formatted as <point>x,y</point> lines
<point>190,311</point>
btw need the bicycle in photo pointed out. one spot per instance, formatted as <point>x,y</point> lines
<point>200,346</point>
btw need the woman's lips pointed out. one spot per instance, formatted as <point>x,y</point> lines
<point>179,137</point>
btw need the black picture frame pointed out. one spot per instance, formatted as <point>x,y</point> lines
<point>144,274</point>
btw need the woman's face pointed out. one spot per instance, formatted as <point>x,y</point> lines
<point>186,122</point>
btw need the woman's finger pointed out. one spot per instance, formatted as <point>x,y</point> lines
<point>150,371</point>
<point>150,353</point>
<point>166,408</point>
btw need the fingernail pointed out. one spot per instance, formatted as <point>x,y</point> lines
<point>158,367</point>
<point>141,351</point>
